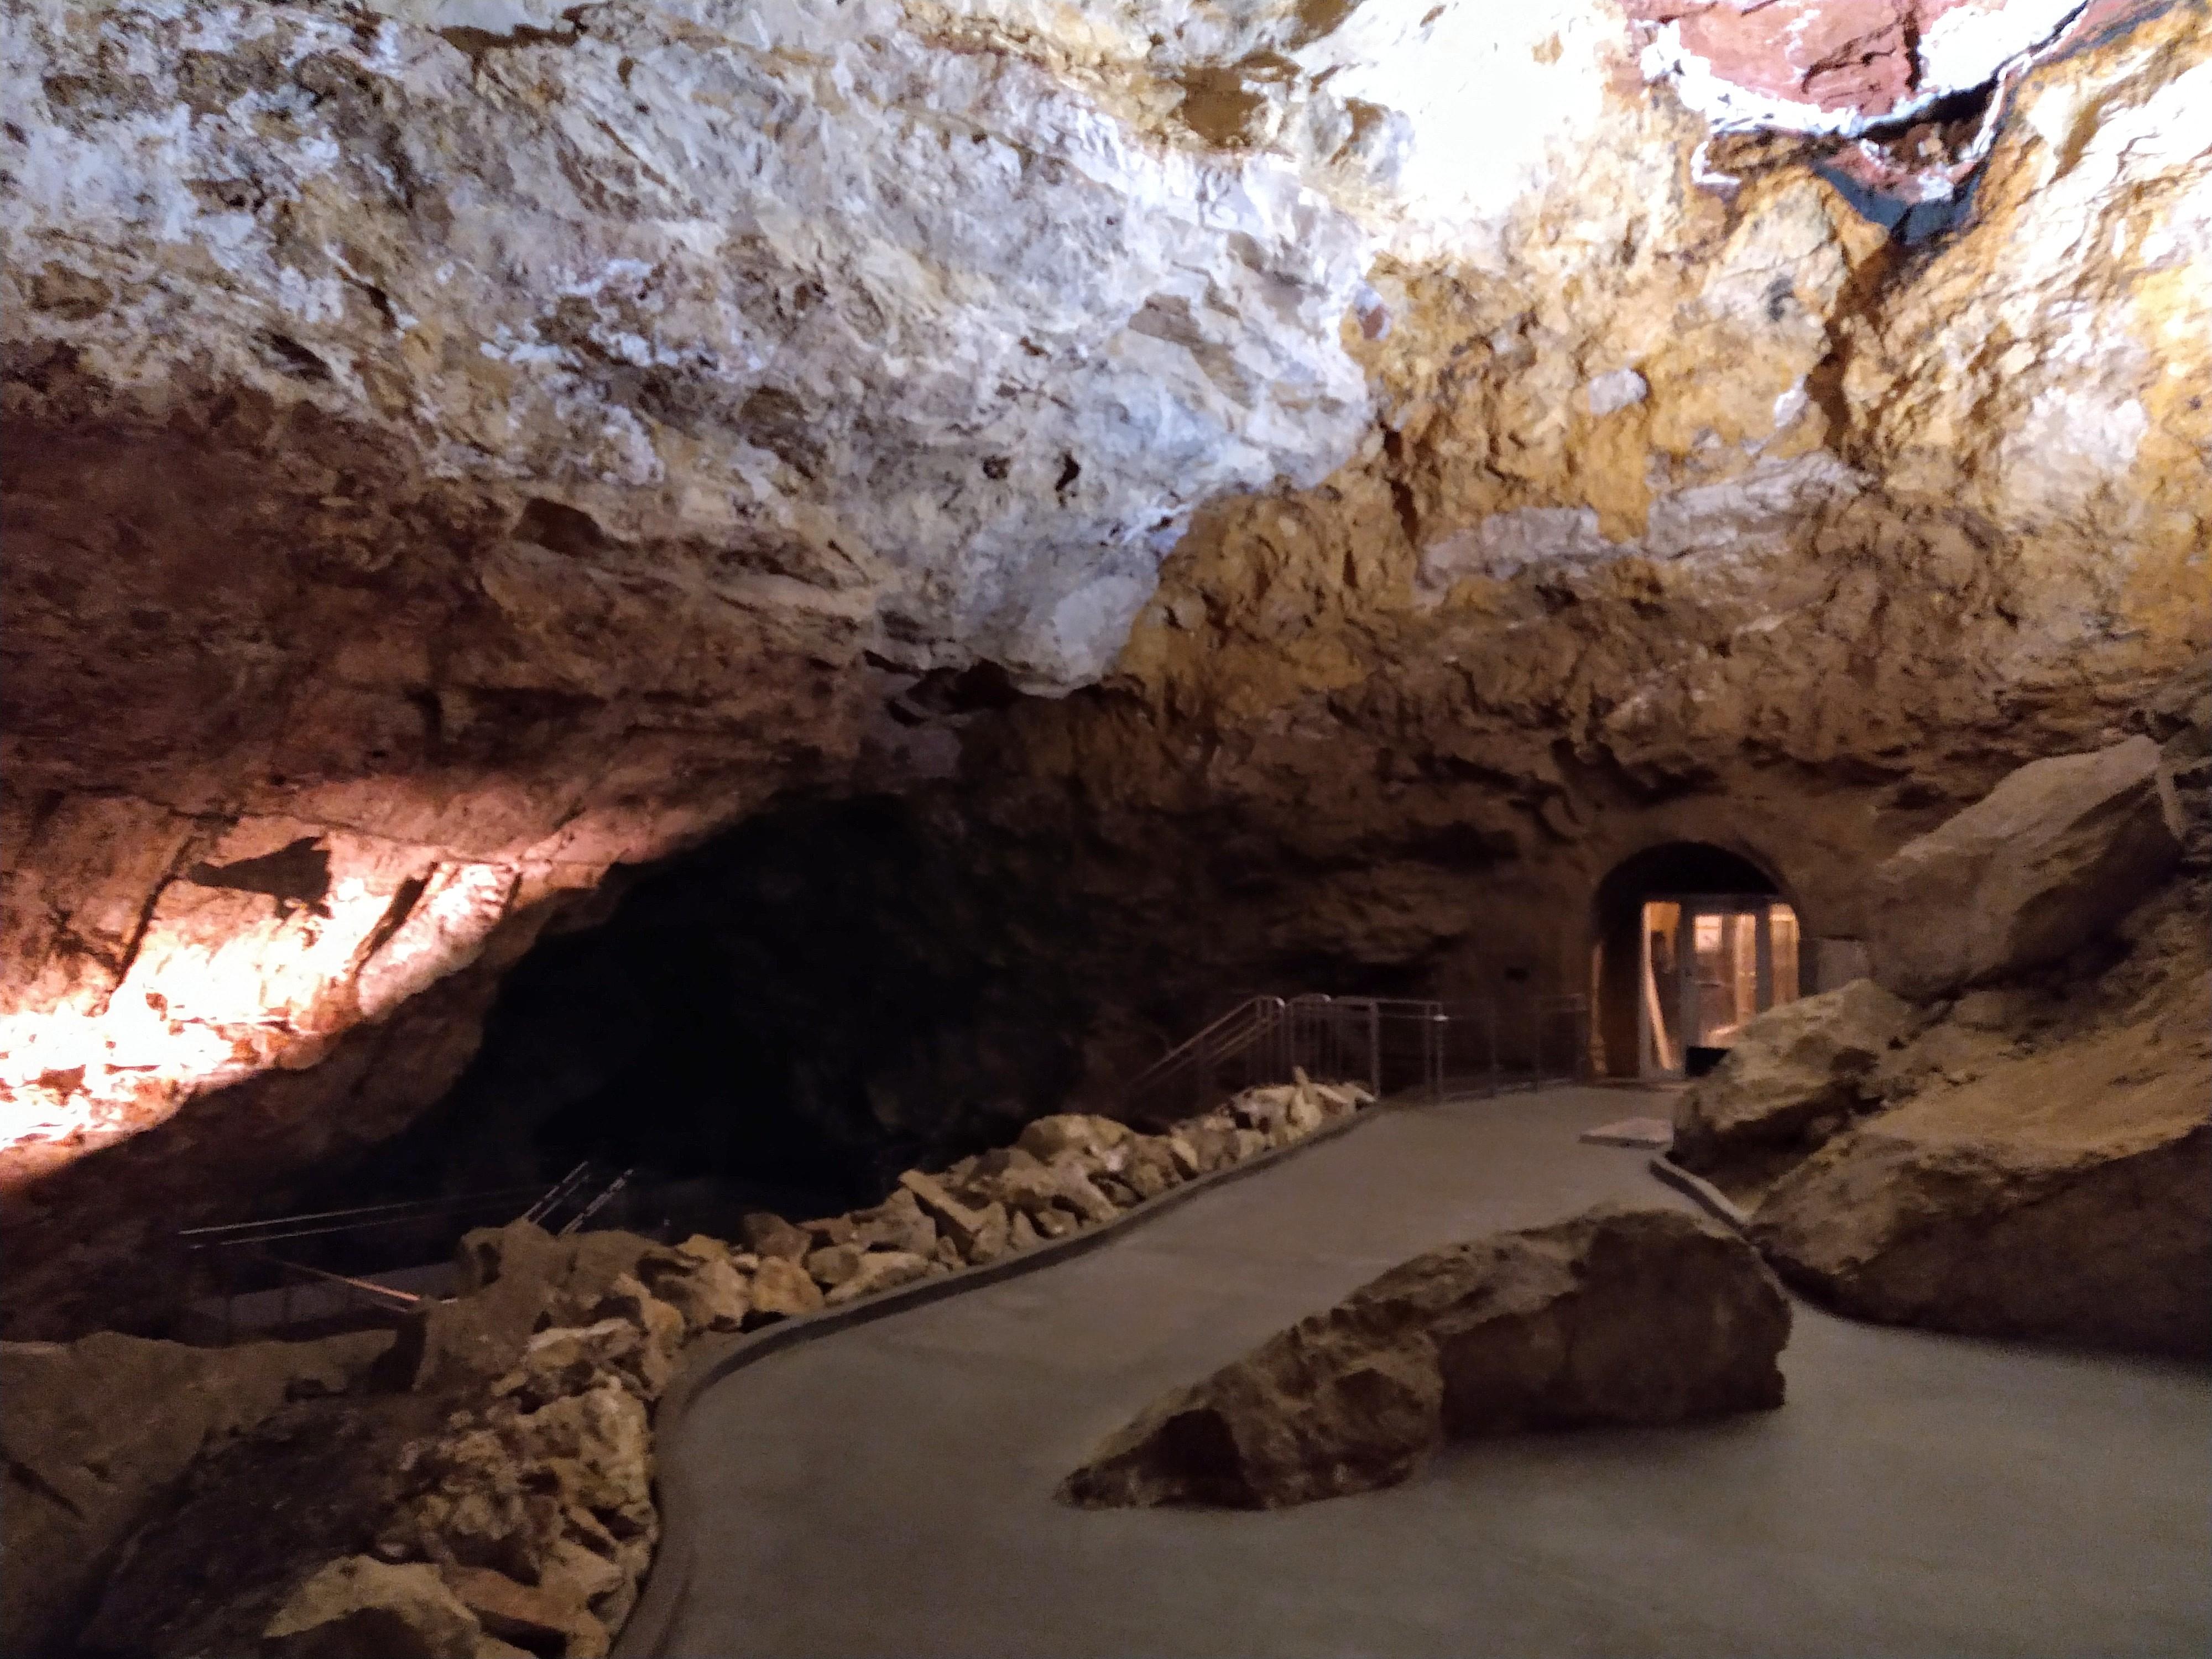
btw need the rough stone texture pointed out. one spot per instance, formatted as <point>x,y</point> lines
<point>978,1234</point>
<point>98,1431</point>
<point>512,1487</point>
<point>1864,57</point>
<point>833,1264</point>
<point>1364,735</point>
<point>875,1272</point>
<point>513,1279</point>
<point>1618,1315</point>
<point>530,1490</point>
<point>446,464</point>
<point>782,1289</point>
<point>895,1223</point>
<point>710,1292</point>
<point>2062,1188</point>
<point>1098,1145</point>
<point>535,1617</point>
<point>771,1236</point>
<point>2051,857</point>
<point>364,1608</point>
<point>1796,1076</point>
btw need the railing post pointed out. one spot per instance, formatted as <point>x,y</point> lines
<point>1374,1047</point>
<point>1490,1027</point>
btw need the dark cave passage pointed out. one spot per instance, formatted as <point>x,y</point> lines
<point>794,1012</point>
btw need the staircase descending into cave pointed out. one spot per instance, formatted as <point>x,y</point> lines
<point>369,1265</point>
<point>1395,1045</point>
<point>578,1196</point>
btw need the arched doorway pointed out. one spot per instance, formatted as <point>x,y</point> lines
<point>1692,941</point>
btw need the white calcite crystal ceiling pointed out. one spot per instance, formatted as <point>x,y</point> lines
<point>968,305</point>
<point>971,304</point>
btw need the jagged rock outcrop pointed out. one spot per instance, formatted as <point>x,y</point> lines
<point>359,1607</point>
<point>1402,727</point>
<point>1618,1316</point>
<point>2060,1187</point>
<point>511,1278</point>
<point>2051,858</point>
<point>98,1431</point>
<point>1796,1077</point>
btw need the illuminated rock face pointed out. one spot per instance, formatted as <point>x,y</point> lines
<point>456,450</point>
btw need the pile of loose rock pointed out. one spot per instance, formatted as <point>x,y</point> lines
<point>528,1523</point>
<point>1066,1173</point>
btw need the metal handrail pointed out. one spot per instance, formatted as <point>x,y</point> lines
<point>362,1219</point>
<point>1409,1039</point>
<point>587,1187</point>
<point>385,1295</point>
<point>1244,1027</point>
<point>558,1192</point>
<point>599,1201</point>
<point>226,1248</point>
<point>1250,1007</point>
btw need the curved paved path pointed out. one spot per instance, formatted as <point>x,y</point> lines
<point>887,1490</point>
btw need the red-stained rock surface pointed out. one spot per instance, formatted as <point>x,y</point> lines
<point>1837,54</point>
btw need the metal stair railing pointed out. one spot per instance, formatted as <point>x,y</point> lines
<point>1395,1045</point>
<point>586,1189</point>
<point>239,1260</point>
<point>558,1193</point>
<point>599,1201</point>
<point>1177,1084</point>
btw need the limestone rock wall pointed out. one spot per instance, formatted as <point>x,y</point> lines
<point>1712,522</point>
<point>457,446</point>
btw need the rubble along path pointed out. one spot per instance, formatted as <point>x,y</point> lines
<point>888,1490</point>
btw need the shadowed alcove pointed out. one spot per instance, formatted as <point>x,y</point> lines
<point>794,1011</point>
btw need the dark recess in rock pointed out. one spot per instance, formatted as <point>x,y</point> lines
<point>817,1000</point>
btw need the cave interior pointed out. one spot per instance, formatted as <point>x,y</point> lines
<point>680,675</point>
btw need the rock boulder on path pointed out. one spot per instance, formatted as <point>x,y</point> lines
<point>1617,1316</point>
<point>2054,855</point>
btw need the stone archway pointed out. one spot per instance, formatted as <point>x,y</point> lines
<point>1728,883</point>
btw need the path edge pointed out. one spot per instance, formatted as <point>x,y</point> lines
<point>644,1633</point>
<point>1704,1194</point>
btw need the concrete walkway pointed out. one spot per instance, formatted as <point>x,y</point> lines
<point>887,1491</point>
